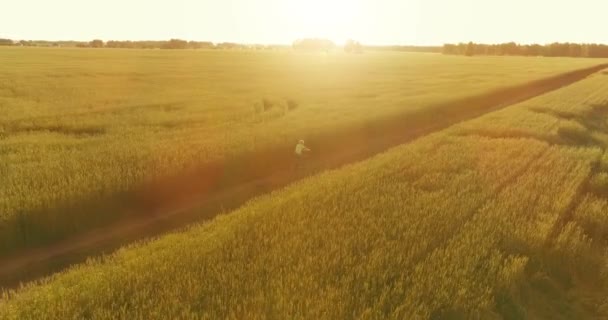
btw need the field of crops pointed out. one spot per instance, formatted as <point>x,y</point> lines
<point>90,124</point>
<point>501,217</point>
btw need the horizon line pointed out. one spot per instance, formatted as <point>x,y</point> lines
<point>16,39</point>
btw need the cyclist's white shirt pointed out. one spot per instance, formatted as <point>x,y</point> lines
<point>300,147</point>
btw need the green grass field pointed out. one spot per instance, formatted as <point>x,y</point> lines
<point>85,124</point>
<point>500,217</point>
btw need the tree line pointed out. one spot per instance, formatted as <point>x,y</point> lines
<point>307,44</point>
<point>406,48</point>
<point>567,49</point>
<point>168,44</point>
<point>315,44</point>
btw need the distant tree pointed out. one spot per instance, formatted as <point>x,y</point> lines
<point>492,50</point>
<point>585,51</point>
<point>449,49</point>
<point>575,50</point>
<point>462,48</point>
<point>535,50</point>
<point>119,44</point>
<point>200,45</point>
<point>96,43</point>
<point>6,42</point>
<point>175,44</point>
<point>598,51</point>
<point>558,50</point>
<point>512,48</point>
<point>158,44</point>
<point>470,50</point>
<point>481,49</point>
<point>509,49</point>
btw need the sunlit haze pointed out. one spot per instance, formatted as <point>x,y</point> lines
<point>281,21</point>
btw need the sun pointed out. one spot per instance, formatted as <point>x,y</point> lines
<point>336,20</point>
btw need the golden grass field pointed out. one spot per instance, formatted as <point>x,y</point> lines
<point>80,124</point>
<point>500,217</point>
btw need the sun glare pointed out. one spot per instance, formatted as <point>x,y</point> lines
<point>336,20</point>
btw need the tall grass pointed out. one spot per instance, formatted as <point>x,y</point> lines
<point>79,128</point>
<point>473,222</point>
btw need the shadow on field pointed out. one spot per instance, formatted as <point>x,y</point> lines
<point>38,244</point>
<point>573,254</point>
<point>589,124</point>
<point>566,136</point>
<point>592,121</point>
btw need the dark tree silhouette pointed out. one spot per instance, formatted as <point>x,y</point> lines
<point>96,43</point>
<point>514,49</point>
<point>175,44</point>
<point>470,50</point>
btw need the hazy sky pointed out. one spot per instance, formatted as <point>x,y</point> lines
<point>282,21</point>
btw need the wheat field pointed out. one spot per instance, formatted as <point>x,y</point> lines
<point>500,217</point>
<point>80,124</point>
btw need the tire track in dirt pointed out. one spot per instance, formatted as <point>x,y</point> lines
<point>218,187</point>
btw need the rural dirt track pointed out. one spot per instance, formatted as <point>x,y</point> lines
<point>218,187</point>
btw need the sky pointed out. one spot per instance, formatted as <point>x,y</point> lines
<point>416,22</point>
